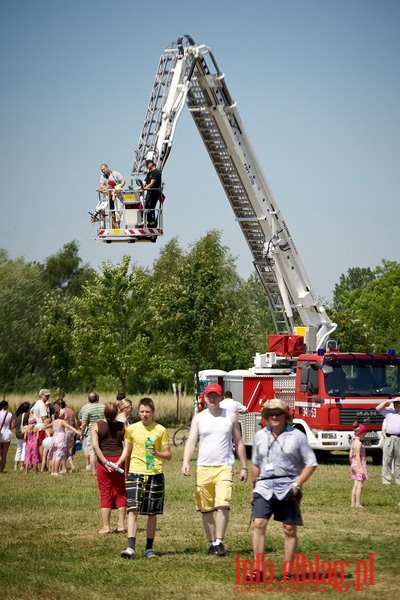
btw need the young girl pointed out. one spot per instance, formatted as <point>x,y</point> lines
<point>32,456</point>
<point>59,445</point>
<point>358,464</point>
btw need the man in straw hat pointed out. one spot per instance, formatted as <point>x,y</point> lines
<point>282,462</point>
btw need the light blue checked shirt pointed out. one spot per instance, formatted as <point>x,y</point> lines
<point>280,459</point>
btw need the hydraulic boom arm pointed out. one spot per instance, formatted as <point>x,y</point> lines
<point>188,74</point>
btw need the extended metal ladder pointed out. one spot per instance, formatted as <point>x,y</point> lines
<point>184,76</point>
<point>203,114</point>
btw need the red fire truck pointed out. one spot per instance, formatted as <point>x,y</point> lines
<point>327,389</point>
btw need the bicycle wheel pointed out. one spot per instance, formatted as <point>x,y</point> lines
<point>180,436</point>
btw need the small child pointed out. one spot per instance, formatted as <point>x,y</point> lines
<point>358,464</point>
<point>32,456</point>
<point>59,446</point>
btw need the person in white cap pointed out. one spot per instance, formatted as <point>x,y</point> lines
<point>214,429</point>
<point>282,462</point>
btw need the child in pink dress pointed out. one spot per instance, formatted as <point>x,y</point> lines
<point>358,465</point>
<point>59,445</point>
<point>31,435</point>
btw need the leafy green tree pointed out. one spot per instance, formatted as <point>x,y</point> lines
<point>63,271</point>
<point>56,331</point>
<point>22,357</point>
<point>202,311</point>
<point>368,317</point>
<point>356,279</point>
<point>109,332</point>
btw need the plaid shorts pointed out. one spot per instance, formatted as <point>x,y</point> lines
<point>145,493</point>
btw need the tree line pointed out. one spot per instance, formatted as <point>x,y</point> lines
<point>135,329</point>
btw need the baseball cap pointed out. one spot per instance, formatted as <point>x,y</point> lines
<point>360,430</point>
<point>44,392</point>
<point>213,388</point>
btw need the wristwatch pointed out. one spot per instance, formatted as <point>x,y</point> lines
<point>297,485</point>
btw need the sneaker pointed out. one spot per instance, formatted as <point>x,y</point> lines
<point>252,578</point>
<point>149,553</point>
<point>219,550</point>
<point>88,467</point>
<point>210,551</point>
<point>128,553</point>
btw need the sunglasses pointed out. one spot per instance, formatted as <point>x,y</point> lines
<point>275,413</point>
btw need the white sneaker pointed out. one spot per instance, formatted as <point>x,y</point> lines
<point>88,467</point>
<point>128,553</point>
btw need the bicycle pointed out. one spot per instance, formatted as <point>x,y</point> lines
<point>180,436</point>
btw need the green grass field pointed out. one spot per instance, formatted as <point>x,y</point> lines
<point>50,548</point>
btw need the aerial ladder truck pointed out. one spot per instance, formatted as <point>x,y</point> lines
<point>328,390</point>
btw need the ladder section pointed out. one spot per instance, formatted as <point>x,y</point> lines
<point>147,144</point>
<point>198,101</point>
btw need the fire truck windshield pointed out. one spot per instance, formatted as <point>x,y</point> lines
<point>371,376</point>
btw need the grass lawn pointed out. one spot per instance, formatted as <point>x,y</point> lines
<point>50,548</point>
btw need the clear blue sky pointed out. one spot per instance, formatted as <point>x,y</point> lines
<point>316,84</point>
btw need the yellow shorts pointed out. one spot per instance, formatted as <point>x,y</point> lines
<point>213,487</point>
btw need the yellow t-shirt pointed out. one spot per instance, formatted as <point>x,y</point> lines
<point>137,435</point>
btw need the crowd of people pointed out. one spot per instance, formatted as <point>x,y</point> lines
<point>127,459</point>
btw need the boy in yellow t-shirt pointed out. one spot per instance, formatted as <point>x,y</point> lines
<point>146,446</point>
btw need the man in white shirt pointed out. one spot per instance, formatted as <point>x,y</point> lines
<point>214,428</point>
<point>230,404</point>
<point>391,443</point>
<point>40,411</point>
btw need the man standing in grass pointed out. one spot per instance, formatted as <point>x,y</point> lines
<point>282,462</point>
<point>94,412</point>
<point>214,429</point>
<point>146,446</point>
<point>391,442</point>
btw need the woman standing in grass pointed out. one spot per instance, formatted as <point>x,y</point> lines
<point>124,411</point>
<point>6,424</point>
<point>68,415</point>
<point>21,419</point>
<point>358,464</point>
<point>107,442</point>
<point>59,446</point>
